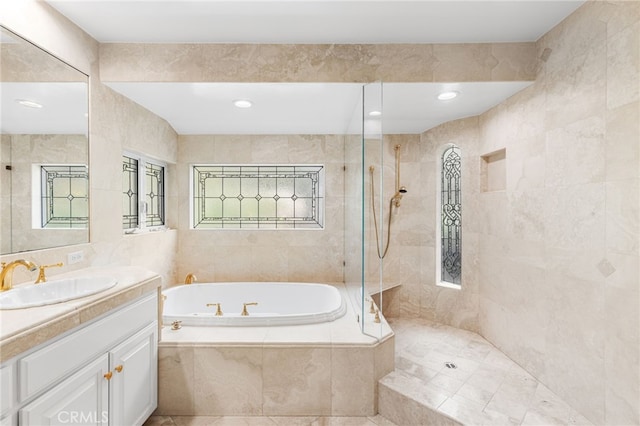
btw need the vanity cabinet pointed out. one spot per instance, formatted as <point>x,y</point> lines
<point>104,373</point>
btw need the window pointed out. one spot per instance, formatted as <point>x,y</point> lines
<point>258,196</point>
<point>451,217</point>
<point>64,195</point>
<point>142,193</point>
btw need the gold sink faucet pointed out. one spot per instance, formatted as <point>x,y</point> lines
<point>41,277</point>
<point>6,276</point>
<point>190,279</point>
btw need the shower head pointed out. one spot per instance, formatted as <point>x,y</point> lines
<point>402,190</point>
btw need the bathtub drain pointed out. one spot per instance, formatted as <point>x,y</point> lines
<point>450,365</point>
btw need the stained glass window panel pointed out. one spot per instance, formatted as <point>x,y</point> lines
<point>258,196</point>
<point>451,216</point>
<point>154,194</point>
<point>129,192</point>
<point>65,196</point>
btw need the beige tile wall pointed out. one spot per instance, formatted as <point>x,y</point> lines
<point>267,255</point>
<point>551,263</point>
<point>318,63</point>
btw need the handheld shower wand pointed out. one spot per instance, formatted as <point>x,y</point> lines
<point>394,201</point>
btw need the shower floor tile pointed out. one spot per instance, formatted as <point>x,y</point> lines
<point>484,386</point>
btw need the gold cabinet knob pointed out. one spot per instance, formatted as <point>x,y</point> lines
<point>108,375</point>
<point>119,368</point>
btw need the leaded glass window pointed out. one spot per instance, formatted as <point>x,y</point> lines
<point>143,199</point>
<point>129,192</point>
<point>65,196</point>
<point>451,216</point>
<point>258,196</point>
<point>154,194</point>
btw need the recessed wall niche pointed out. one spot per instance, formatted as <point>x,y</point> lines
<point>493,171</point>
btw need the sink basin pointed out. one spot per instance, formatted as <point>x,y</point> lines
<point>54,291</point>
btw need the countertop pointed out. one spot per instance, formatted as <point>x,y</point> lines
<point>23,329</point>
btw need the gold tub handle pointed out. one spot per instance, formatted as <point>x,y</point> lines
<point>218,310</point>
<point>244,308</point>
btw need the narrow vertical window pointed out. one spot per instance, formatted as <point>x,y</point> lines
<point>129,192</point>
<point>451,217</point>
<point>154,194</point>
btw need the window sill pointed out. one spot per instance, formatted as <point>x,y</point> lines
<point>449,285</point>
<point>138,231</point>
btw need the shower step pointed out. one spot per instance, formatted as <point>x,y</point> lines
<point>404,400</point>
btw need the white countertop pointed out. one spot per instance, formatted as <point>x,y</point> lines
<point>22,329</point>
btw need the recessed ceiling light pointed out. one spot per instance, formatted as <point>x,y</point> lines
<point>375,113</point>
<point>243,103</point>
<point>447,96</point>
<point>28,103</point>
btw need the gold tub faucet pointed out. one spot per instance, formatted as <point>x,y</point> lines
<point>190,279</point>
<point>6,276</point>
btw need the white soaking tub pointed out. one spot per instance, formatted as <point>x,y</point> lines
<point>277,304</point>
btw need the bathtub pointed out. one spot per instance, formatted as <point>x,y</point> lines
<point>277,304</point>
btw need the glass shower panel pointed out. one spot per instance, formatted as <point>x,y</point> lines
<point>353,209</point>
<point>373,166</point>
<point>363,161</point>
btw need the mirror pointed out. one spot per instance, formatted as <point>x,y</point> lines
<point>44,149</point>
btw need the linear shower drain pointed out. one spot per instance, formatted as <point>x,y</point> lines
<point>450,365</point>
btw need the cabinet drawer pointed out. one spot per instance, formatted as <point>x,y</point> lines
<point>48,365</point>
<point>7,387</point>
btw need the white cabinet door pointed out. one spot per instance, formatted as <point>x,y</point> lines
<point>8,385</point>
<point>134,386</point>
<point>82,399</point>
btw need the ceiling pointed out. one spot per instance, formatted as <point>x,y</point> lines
<point>63,108</point>
<point>310,108</point>
<point>313,108</point>
<point>319,21</point>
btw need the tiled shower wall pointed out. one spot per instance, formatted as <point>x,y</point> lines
<point>559,248</point>
<point>551,261</point>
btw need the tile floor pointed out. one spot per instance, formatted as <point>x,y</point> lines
<point>486,387</point>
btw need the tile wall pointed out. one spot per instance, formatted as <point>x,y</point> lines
<point>551,261</point>
<point>265,255</point>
